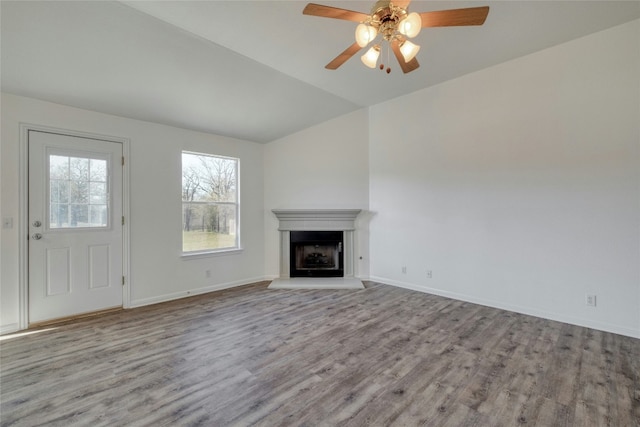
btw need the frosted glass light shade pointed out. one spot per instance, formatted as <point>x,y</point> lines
<point>365,34</point>
<point>371,57</point>
<point>411,25</point>
<point>409,50</point>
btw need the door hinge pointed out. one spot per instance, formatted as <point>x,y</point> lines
<point>122,220</point>
<point>122,280</point>
<point>122,160</point>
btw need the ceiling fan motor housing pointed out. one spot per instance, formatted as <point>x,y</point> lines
<point>385,17</point>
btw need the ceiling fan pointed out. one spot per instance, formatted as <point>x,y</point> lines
<point>392,21</point>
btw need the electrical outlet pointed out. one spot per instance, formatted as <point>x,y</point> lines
<point>404,270</point>
<point>590,300</point>
<point>429,274</point>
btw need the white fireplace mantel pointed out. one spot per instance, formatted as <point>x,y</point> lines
<point>317,220</point>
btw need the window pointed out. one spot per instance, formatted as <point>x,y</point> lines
<point>210,203</point>
<point>78,192</point>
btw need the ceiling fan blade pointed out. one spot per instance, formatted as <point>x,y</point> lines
<point>334,12</point>
<point>406,67</point>
<point>343,57</point>
<point>455,17</point>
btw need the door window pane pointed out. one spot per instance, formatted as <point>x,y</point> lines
<point>98,193</point>
<point>79,169</point>
<point>78,192</point>
<point>59,216</point>
<point>59,167</point>
<point>59,191</point>
<point>98,215</point>
<point>79,216</point>
<point>98,170</point>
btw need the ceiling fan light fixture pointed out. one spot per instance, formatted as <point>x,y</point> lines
<point>371,57</point>
<point>395,25</point>
<point>365,34</point>
<point>410,26</point>
<point>409,50</point>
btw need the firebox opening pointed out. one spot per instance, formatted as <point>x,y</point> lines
<point>316,254</point>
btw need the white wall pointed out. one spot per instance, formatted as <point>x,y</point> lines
<point>157,270</point>
<point>325,166</point>
<point>519,185</point>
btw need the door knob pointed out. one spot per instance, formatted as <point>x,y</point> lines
<point>37,236</point>
<point>37,223</point>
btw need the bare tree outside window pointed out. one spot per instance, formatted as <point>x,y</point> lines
<point>209,202</point>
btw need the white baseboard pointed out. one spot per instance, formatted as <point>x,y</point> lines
<point>13,327</point>
<point>9,328</point>
<point>587,323</point>
<point>192,292</point>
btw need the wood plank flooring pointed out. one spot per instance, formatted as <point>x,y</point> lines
<point>381,356</point>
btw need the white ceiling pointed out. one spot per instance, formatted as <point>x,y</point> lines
<point>254,69</point>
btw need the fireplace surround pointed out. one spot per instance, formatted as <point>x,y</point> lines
<point>331,230</point>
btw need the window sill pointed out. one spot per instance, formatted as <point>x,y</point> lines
<point>223,252</point>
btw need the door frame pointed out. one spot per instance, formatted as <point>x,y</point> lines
<point>23,216</point>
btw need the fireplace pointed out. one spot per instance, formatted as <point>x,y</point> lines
<point>317,245</point>
<point>316,254</point>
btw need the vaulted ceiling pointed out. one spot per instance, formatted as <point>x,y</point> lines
<point>254,70</point>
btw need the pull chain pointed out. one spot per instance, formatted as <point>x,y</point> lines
<point>382,65</point>
<point>388,60</point>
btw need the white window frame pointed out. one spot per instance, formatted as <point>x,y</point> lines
<point>212,251</point>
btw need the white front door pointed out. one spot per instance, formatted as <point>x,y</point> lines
<point>75,225</point>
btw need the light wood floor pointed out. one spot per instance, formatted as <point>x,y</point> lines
<point>379,356</point>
